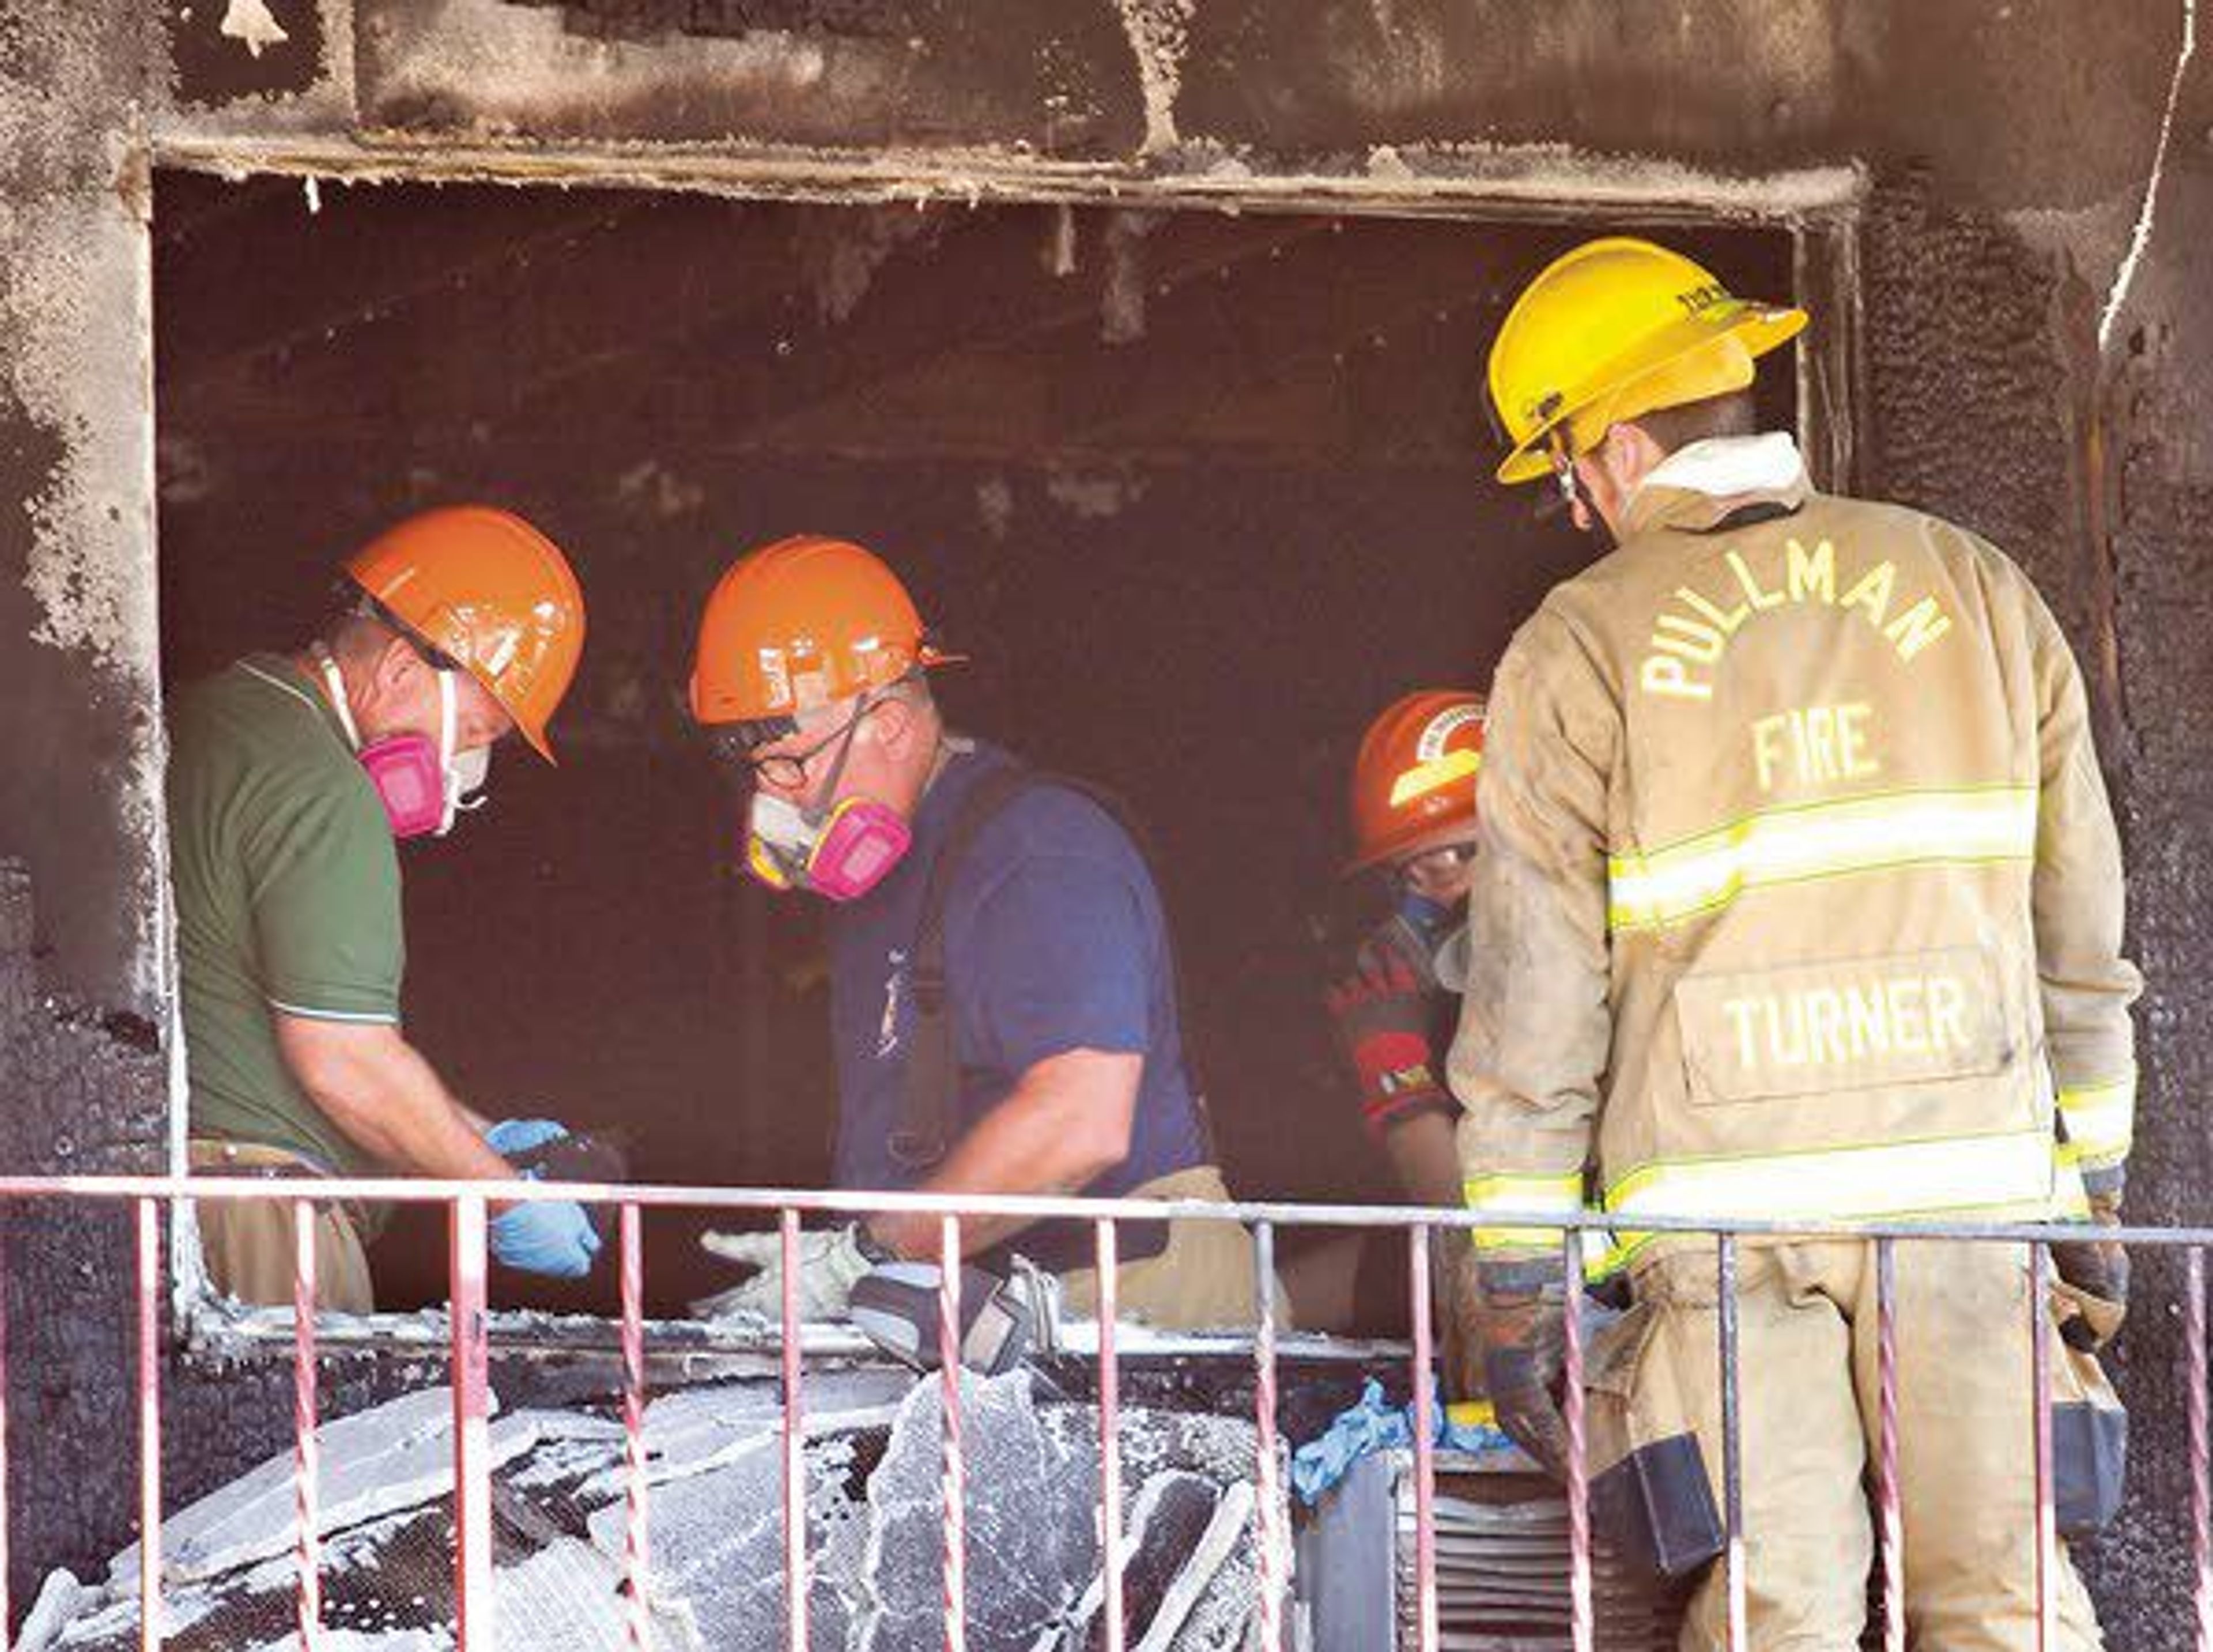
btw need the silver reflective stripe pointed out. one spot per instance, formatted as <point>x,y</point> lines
<point>1792,845</point>
<point>2013,1173</point>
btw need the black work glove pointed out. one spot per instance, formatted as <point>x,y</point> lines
<point>576,1155</point>
<point>1522,1329</point>
<point>2098,1268</point>
<point>1385,1014</point>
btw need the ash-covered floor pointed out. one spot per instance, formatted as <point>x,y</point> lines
<point>714,1527</point>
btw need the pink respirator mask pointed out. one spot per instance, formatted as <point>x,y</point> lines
<point>840,855</point>
<point>841,852</point>
<point>423,784</point>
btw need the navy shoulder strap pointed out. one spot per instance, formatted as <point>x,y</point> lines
<point>933,1061</point>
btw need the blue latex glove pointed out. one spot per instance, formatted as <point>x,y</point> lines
<point>512,1135</point>
<point>1374,1425</point>
<point>555,1238</point>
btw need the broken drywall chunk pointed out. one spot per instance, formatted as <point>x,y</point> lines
<point>569,1597</point>
<point>695,1430</point>
<point>61,1597</point>
<point>249,22</point>
<point>390,1457</point>
<point>715,1547</point>
<point>1209,1605</point>
<point>347,1640</point>
<point>1030,1512</point>
<point>1173,1513</point>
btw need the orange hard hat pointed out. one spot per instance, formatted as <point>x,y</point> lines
<point>487,589</point>
<point>1413,782</point>
<point>800,623</point>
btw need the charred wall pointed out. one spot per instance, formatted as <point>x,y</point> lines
<point>2034,367</point>
<point>1986,405</point>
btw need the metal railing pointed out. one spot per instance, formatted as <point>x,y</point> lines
<point>468,1205</point>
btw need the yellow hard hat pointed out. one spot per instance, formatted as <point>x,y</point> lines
<point>1615,328</point>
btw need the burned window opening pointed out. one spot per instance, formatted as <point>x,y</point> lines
<point>647,19</point>
<point>1198,492</point>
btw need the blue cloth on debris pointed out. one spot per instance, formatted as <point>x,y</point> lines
<point>1374,1425</point>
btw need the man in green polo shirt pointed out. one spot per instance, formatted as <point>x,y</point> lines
<point>290,777</point>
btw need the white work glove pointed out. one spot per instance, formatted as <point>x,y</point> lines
<point>830,1260</point>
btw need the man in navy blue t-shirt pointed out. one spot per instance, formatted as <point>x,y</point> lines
<point>1056,1063</point>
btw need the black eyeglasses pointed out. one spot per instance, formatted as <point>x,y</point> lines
<point>788,770</point>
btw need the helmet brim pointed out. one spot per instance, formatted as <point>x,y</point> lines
<point>534,736</point>
<point>1458,830</point>
<point>1758,327</point>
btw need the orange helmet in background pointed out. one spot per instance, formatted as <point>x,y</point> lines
<point>487,589</point>
<point>1413,782</point>
<point>803,623</point>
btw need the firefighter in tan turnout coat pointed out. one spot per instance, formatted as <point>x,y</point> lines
<point>1790,811</point>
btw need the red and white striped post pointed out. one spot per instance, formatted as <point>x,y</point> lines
<point>1582,1619</point>
<point>637,1566</point>
<point>1425,1428</point>
<point>1110,1444</point>
<point>472,1434</point>
<point>307,1455</point>
<point>795,1583</point>
<point>5,1603</point>
<point>1890,1525</point>
<point>2040,1365</point>
<point>2201,1492</point>
<point>150,1425</point>
<point>955,1492</point>
<point>1264,1409</point>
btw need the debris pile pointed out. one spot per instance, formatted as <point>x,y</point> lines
<point>872,1445</point>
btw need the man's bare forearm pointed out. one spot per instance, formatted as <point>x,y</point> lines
<point>388,1100</point>
<point>1423,1150</point>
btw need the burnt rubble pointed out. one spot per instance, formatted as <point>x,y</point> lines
<point>714,1464</point>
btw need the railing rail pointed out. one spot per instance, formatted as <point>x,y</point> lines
<point>468,1204</point>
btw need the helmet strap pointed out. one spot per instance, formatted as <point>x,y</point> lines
<point>1566,476</point>
<point>334,684</point>
<point>829,793</point>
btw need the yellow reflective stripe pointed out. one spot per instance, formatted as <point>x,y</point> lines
<point>2100,1121</point>
<point>1522,1196</point>
<point>1820,840</point>
<point>1603,1254</point>
<point>2070,1199</point>
<point>2010,1174</point>
<point>1425,778</point>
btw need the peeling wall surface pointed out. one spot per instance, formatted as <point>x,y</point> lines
<point>77,687</point>
<point>2037,354</point>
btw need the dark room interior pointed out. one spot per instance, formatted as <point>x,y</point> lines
<point>1197,493</point>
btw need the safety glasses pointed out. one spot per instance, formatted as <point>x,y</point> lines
<point>787,771</point>
<point>1426,872</point>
